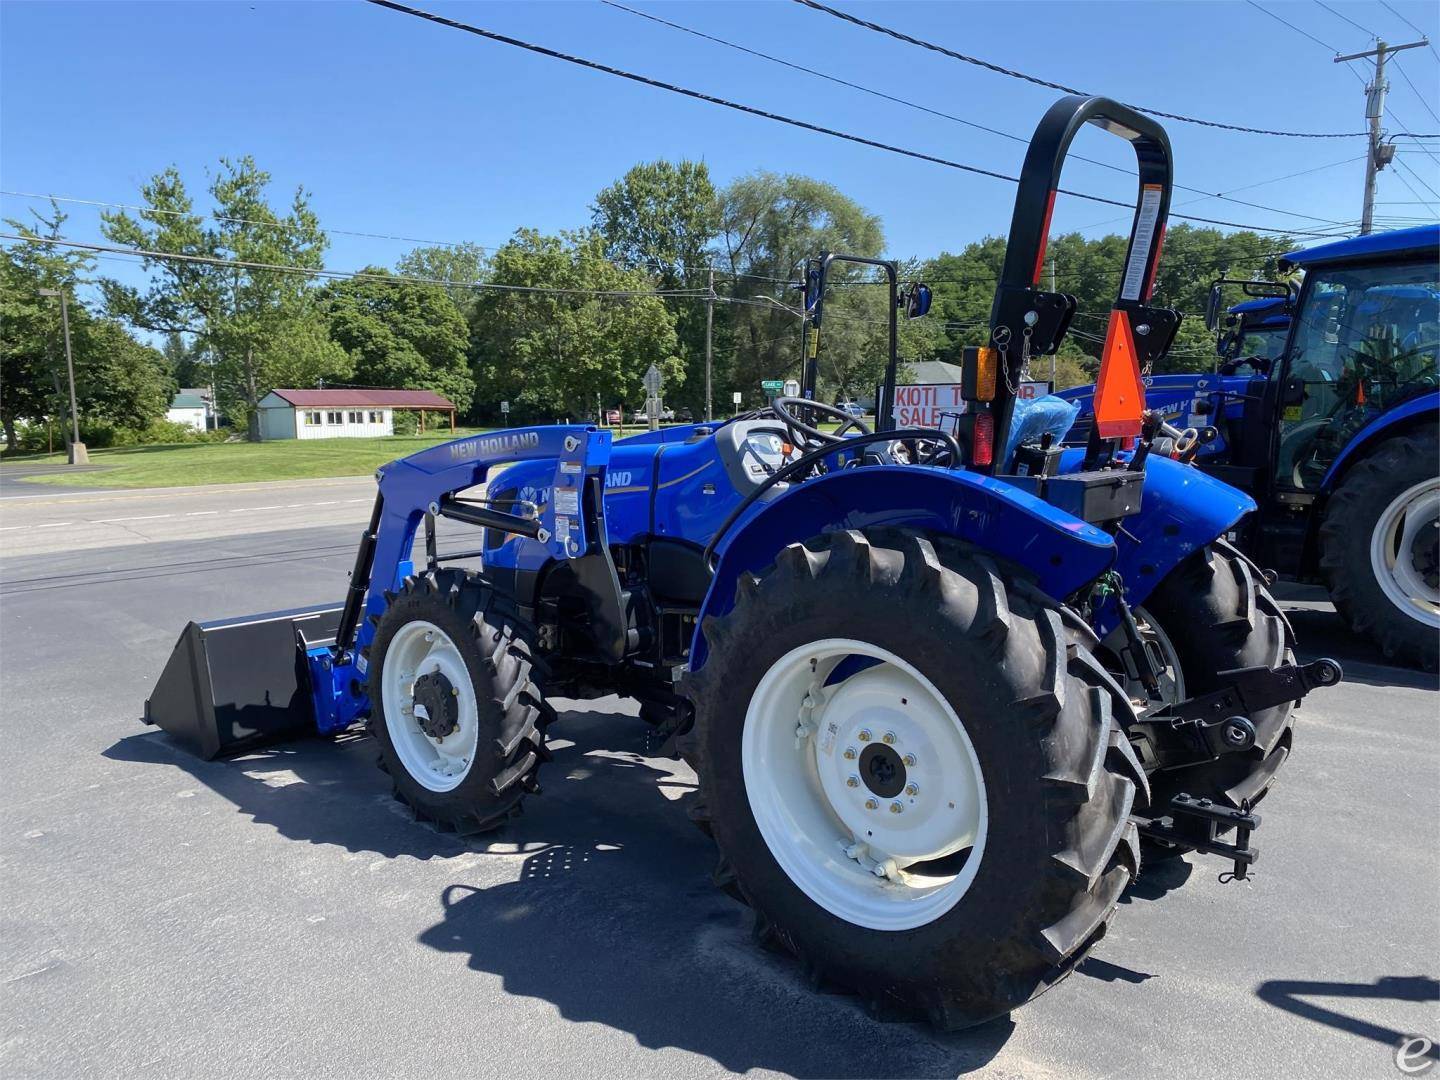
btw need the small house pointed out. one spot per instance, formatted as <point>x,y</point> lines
<point>336,414</point>
<point>189,408</point>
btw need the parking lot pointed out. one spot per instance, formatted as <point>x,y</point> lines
<point>280,915</point>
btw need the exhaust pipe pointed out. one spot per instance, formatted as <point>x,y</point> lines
<point>234,684</point>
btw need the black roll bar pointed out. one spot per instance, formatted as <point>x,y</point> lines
<point>1020,308</point>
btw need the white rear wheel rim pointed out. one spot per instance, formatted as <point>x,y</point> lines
<point>871,865</point>
<point>1402,526</point>
<point>420,648</point>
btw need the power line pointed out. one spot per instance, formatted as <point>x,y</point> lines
<point>936,112</point>
<point>351,275</point>
<point>1012,73</point>
<point>1415,89</point>
<point>779,118</point>
<point>1292,26</point>
<point>1349,20</point>
<point>280,225</point>
<point>1412,26</point>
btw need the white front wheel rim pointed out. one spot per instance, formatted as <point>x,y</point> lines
<point>418,649</point>
<point>864,784</point>
<point>1405,528</point>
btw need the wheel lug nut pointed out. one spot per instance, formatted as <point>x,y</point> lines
<point>888,738</point>
<point>864,735</point>
<point>871,804</point>
<point>850,753</point>
<point>896,808</point>
<point>912,789</point>
<point>852,781</point>
<point>909,761</point>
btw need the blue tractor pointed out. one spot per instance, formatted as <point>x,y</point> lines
<point>1325,407</point>
<point>936,687</point>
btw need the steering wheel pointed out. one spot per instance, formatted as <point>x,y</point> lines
<point>807,437</point>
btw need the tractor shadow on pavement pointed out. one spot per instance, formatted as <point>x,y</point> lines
<point>614,921</point>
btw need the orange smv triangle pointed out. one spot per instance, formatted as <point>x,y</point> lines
<point>1119,393</point>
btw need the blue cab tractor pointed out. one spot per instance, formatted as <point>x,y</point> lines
<point>938,690</point>
<point>1325,407</point>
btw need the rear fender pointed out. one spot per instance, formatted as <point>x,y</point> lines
<point>1062,552</point>
<point>1182,510</point>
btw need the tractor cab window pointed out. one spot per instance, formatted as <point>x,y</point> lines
<point>1366,340</point>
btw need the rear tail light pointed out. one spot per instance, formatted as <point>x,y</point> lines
<point>983,451</point>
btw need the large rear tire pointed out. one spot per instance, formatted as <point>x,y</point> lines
<point>458,720</point>
<point>1380,548</point>
<point>915,772</point>
<point>1215,614</point>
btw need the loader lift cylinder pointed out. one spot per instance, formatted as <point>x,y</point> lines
<point>359,580</point>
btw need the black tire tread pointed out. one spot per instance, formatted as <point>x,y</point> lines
<point>1093,778</point>
<point>1352,506</point>
<point>510,702</point>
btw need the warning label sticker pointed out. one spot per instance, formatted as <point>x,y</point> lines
<point>567,501</point>
<point>1144,238</point>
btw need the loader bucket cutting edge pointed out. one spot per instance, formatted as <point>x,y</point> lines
<point>233,684</point>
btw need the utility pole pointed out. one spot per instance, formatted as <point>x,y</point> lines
<point>709,327</point>
<point>1380,154</point>
<point>77,455</point>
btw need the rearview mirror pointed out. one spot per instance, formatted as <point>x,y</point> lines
<point>916,300</point>
<point>1212,308</point>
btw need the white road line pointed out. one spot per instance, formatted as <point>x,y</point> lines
<point>143,517</point>
<point>48,525</point>
<point>247,509</point>
<point>202,513</point>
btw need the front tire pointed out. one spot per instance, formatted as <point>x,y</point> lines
<point>457,718</point>
<point>1003,865</point>
<point>1380,548</point>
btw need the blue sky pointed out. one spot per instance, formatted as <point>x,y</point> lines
<point>400,127</point>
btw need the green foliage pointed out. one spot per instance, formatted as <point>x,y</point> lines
<point>401,334</point>
<point>117,379</point>
<point>405,422</point>
<point>662,218</point>
<point>964,286</point>
<point>241,315</point>
<point>463,264</point>
<point>770,225</point>
<point>554,355</point>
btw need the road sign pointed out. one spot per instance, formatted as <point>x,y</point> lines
<point>505,407</point>
<point>652,381</point>
<point>736,397</point>
<point>792,388</point>
<point>772,386</point>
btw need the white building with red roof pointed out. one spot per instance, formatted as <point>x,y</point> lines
<point>334,414</point>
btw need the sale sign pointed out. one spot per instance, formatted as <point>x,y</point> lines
<point>924,405</point>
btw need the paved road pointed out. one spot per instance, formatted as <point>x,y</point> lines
<point>37,519</point>
<point>279,915</point>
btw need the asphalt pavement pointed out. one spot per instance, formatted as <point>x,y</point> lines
<point>280,915</point>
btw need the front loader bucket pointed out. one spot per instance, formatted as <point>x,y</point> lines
<point>236,683</point>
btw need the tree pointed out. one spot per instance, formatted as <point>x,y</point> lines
<point>237,312</point>
<point>556,354</point>
<point>770,225</point>
<point>117,379</point>
<point>663,218</point>
<point>402,335</point>
<point>464,264</point>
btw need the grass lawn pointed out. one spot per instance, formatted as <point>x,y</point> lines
<point>184,464</point>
